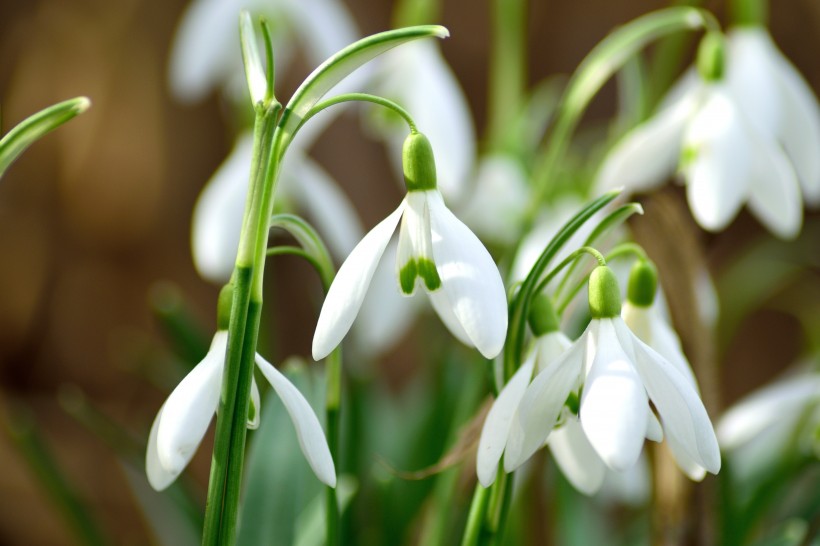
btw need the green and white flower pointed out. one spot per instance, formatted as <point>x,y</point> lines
<point>183,419</point>
<point>705,132</point>
<point>435,249</point>
<point>614,375</point>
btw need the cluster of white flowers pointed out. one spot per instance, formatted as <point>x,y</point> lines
<point>589,400</point>
<point>744,133</point>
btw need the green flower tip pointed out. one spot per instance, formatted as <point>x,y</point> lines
<point>542,317</point>
<point>604,294</point>
<point>420,267</point>
<point>711,57</point>
<point>223,307</point>
<point>418,163</point>
<point>643,283</point>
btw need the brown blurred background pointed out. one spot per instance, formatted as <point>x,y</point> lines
<point>94,215</point>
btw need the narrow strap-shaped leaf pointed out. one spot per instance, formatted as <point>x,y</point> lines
<point>35,126</point>
<point>343,63</point>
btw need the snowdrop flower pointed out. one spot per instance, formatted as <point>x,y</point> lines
<point>726,161</point>
<point>436,250</point>
<point>549,344</point>
<point>642,317</point>
<point>783,105</point>
<point>761,426</point>
<point>217,219</point>
<point>205,53</point>
<point>183,419</point>
<point>417,77</point>
<point>620,375</point>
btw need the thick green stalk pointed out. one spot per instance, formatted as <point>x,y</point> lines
<point>508,63</point>
<point>475,519</point>
<point>229,444</point>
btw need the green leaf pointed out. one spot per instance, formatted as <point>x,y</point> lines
<point>342,64</point>
<point>310,525</point>
<point>36,126</point>
<point>254,70</point>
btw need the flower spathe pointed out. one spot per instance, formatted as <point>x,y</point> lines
<point>435,249</point>
<point>183,419</point>
<point>620,375</point>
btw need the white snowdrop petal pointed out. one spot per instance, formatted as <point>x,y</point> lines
<point>496,427</point>
<point>549,347</point>
<point>648,154</point>
<point>750,74</point>
<point>800,126</point>
<point>350,285</point>
<point>158,476</point>
<point>677,402</point>
<point>541,405</point>
<point>469,279</point>
<point>190,408</point>
<point>441,305</point>
<point>765,408</point>
<point>688,465</point>
<point>311,437</point>
<point>614,406</point>
<point>717,173</point>
<point>654,430</point>
<point>576,457</point>
<point>217,219</point>
<point>774,195</point>
<point>205,48</point>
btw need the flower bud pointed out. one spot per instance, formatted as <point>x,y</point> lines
<point>604,294</point>
<point>542,316</point>
<point>418,163</point>
<point>711,57</point>
<point>643,283</point>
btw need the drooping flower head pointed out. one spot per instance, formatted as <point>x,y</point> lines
<point>437,251</point>
<point>182,421</point>
<point>703,131</point>
<point>614,376</point>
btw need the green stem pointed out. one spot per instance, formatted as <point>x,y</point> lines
<point>226,465</point>
<point>750,12</point>
<point>475,519</point>
<point>363,97</point>
<point>508,63</point>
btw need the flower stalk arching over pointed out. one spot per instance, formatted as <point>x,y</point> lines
<point>704,131</point>
<point>182,421</point>
<point>435,249</point>
<point>620,375</point>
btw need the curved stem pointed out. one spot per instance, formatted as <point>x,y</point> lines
<point>363,97</point>
<point>568,260</point>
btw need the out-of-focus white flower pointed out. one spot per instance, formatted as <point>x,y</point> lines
<point>620,374</point>
<point>206,53</point>
<point>778,100</point>
<point>183,420</point>
<point>435,249</point>
<point>217,219</point>
<point>756,430</point>
<point>726,160</point>
<point>501,186</point>
<point>417,77</point>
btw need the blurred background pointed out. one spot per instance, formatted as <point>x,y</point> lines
<point>95,227</point>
